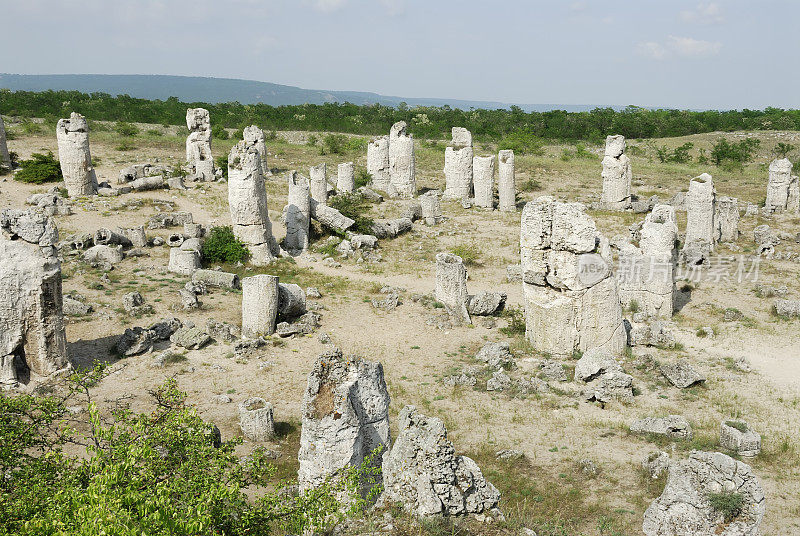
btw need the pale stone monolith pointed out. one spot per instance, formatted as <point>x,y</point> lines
<point>378,163</point>
<point>32,335</point>
<point>782,188</point>
<point>256,419</point>
<point>247,199</point>
<point>5,157</point>
<point>451,286</point>
<point>616,174</point>
<point>181,261</point>
<point>571,298</point>
<point>345,419</point>
<point>700,221</point>
<point>259,305</point>
<point>346,178</point>
<point>430,208</point>
<point>402,175</point>
<point>483,180</point>
<point>73,154</point>
<point>318,183</point>
<point>458,166</point>
<point>198,144</point>
<point>727,219</point>
<point>297,214</point>
<point>254,137</point>
<point>506,182</point>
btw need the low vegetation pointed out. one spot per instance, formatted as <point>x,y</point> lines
<point>222,246</point>
<point>41,168</point>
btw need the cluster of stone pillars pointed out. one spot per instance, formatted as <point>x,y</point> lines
<point>391,162</point>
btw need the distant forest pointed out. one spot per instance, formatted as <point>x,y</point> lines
<point>424,122</point>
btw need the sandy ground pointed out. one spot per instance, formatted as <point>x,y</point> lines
<point>553,430</point>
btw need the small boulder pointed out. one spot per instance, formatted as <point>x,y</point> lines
<point>672,426</point>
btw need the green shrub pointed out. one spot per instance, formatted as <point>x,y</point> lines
<point>355,207</point>
<point>679,155</point>
<point>531,185</point>
<point>39,169</point>
<point>357,144</point>
<point>728,503</point>
<point>740,152</point>
<point>516,321</point>
<point>782,149</point>
<point>222,163</point>
<point>468,253</point>
<point>363,178</point>
<point>126,129</point>
<point>154,132</point>
<point>334,144</point>
<point>312,140</point>
<point>270,135</point>
<point>125,146</point>
<point>222,246</point>
<point>522,142</point>
<point>218,132</point>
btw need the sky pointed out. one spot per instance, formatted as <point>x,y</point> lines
<point>722,54</point>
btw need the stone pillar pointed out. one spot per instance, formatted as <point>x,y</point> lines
<point>700,220</point>
<point>345,419</point>
<point>318,180</point>
<point>571,297</point>
<point>780,181</point>
<point>32,335</point>
<point>346,179</point>
<point>297,214</point>
<point>483,177</point>
<point>727,219</point>
<point>183,261</point>
<point>256,419</point>
<point>247,198</point>
<point>617,175</point>
<point>254,137</point>
<point>506,182</point>
<point>430,208</point>
<point>378,163</point>
<point>451,286</point>
<point>198,144</point>
<point>259,305</point>
<point>74,156</point>
<point>458,166</point>
<point>5,158</point>
<point>402,176</point>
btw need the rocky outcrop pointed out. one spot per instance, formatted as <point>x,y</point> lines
<point>458,166</point>
<point>617,175</point>
<point>198,144</point>
<point>604,377</point>
<point>254,137</point>
<point>672,426</point>
<point>700,221</point>
<point>451,286</point>
<point>402,174</point>
<point>74,156</point>
<point>297,214</point>
<point>782,189</point>
<point>378,163</point>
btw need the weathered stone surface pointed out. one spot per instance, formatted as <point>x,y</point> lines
<point>656,334</point>
<point>330,217</point>
<point>304,325</point>
<point>423,473</point>
<point>739,438</point>
<point>138,171</point>
<point>430,208</point>
<point>133,304</point>
<point>256,419</point>
<point>727,219</point>
<point>700,221</point>
<point>402,175</point>
<point>182,261</point>
<point>291,301</point>
<point>458,166</point>
<point>216,278</point>
<point>74,156</point>
<point>391,228</point>
<point>297,214</point>
<point>608,380</point>
<point>162,220</point>
<point>506,182</point>
<point>198,144</point>
<point>486,303</point>
<point>681,374</point>
<point>318,183</point>
<point>136,341</point>
<point>496,355</point>
<point>345,178</point>
<point>684,508</point>
<point>656,464</point>
<point>780,194</point>
<point>135,235</point>
<point>345,418</point>
<point>247,198</point>
<point>260,297</point>
<point>378,163</point>
<point>221,331</point>
<point>107,237</point>
<point>483,181</point>
<point>5,158</point>
<point>32,334</point>
<point>616,174</point>
<point>672,426</point>
<point>451,286</point>
<point>189,299</point>
<point>73,307</point>
<point>148,183</point>
<point>254,137</point>
<point>191,338</point>
<point>101,255</point>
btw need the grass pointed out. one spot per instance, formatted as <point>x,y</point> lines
<point>728,503</point>
<point>469,253</point>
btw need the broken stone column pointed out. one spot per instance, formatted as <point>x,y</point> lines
<point>32,335</point>
<point>254,137</point>
<point>506,182</point>
<point>782,187</point>
<point>198,144</point>
<point>74,156</point>
<point>346,178</point>
<point>451,286</point>
<point>345,419</point>
<point>727,219</point>
<point>297,214</point>
<point>256,420</point>
<point>571,297</point>
<point>617,175</point>
<point>259,305</point>
<point>182,261</point>
<point>646,273</point>
<point>483,180</point>
<point>700,220</point>
<point>402,176</point>
<point>424,475</point>
<point>247,198</point>
<point>458,166</point>
<point>5,157</point>
<point>378,163</point>
<point>430,208</point>
<point>318,181</point>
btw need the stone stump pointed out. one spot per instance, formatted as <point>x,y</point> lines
<point>451,286</point>
<point>256,420</point>
<point>74,156</point>
<point>483,180</point>
<point>506,182</point>
<point>378,163</point>
<point>259,305</point>
<point>700,221</point>
<point>458,166</point>
<point>297,214</point>
<point>254,137</point>
<point>616,174</point>
<point>346,178</point>
<point>318,181</point>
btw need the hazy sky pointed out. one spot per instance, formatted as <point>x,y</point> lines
<point>675,53</point>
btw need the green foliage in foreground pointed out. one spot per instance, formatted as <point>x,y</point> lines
<point>355,207</point>
<point>39,169</point>
<point>159,473</point>
<point>222,246</point>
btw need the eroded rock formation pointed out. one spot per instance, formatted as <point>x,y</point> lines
<point>458,166</point>
<point>198,144</point>
<point>74,156</point>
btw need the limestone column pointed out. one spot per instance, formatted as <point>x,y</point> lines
<point>318,178</point>
<point>616,174</point>
<point>297,214</point>
<point>346,179</point>
<point>780,180</point>
<point>259,305</point>
<point>483,178</point>
<point>256,420</point>
<point>198,144</point>
<point>254,137</point>
<point>458,172</point>
<point>73,154</point>
<point>402,175</point>
<point>5,158</point>
<point>700,220</point>
<point>378,163</point>
<point>727,219</point>
<point>506,182</point>
<point>451,286</point>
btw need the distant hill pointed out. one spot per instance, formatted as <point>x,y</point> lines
<point>215,90</point>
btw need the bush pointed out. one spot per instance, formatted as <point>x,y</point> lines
<point>740,152</point>
<point>522,142</point>
<point>782,149</point>
<point>222,246</point>
<point>354,206</point>
<point>363,178</point>
<point>218,132</point>
<point>468,253</point>
<point>516,321</point>
<point>154,132</point>
<point>222,163</point>
<point>679,155</point>
<point>39,169</point>
<point>126,129</point>
<point>334,144</point>
<point>728,503</point>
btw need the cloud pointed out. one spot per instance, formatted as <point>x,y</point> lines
<point>680,47</point>
<point>328,6</point>
<point>704,13</point>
